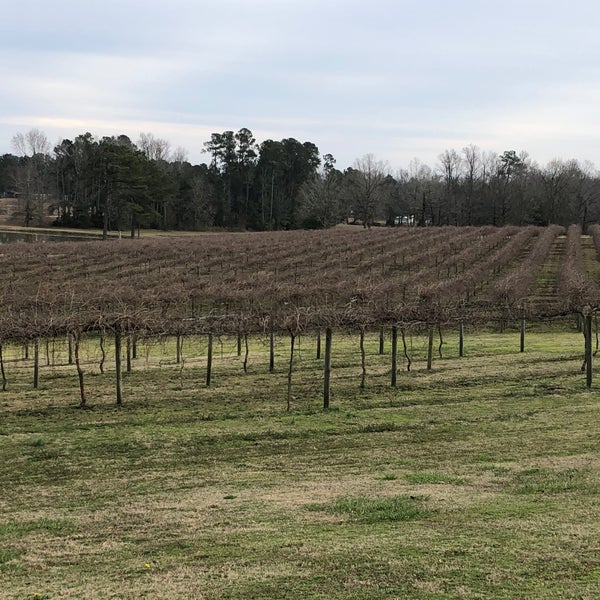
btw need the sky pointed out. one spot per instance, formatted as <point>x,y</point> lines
<point>397,79</point>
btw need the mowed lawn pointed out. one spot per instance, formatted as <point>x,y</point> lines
<point>477,479</point>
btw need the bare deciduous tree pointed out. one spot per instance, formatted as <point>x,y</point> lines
<point>367,185</point>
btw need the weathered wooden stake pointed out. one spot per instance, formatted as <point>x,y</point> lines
<point>209,353</point>
<point>76,337</point>
<point>363,359</point>
<point>246,353</point>
<point>36,362</point>
<point>327,369</point>
<point>271,351</point>
<point>394,355</point>
<point>430,349</point>
<point>128,354</point>
<point>588,348</point>
<point>118,367</point>
<point>290,370</point>
<point>70,346</point>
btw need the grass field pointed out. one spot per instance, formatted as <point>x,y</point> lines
<point>478,479</point>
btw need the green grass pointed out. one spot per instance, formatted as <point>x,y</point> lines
<point>426,478</point>
<point>478,479</point>
<point>373,510</point>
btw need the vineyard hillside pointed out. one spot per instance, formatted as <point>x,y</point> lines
<point>297,280</point>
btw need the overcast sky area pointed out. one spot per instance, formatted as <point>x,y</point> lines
<point>395,78</point>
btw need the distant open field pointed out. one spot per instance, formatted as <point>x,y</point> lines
<point>476,479</point>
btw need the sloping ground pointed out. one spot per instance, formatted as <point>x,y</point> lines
<point>294,280</point>
<point>546,284</point>
<point>485,292</point>
<point>590,258</point>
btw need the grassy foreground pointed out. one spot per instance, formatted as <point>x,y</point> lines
<point>479,479</point>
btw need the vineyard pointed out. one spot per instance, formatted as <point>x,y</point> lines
<point>295,282</point>
<point>474,473</point>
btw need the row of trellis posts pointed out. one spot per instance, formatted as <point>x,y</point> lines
<point>584,321</point>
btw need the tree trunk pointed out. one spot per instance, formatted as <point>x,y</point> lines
<point>271,351</point>
<point>461,339</point>
<point>318,344</point>
<point>522,341</point>
<point>327,368</point>
<point>381,340</point>
<point>105,224</point>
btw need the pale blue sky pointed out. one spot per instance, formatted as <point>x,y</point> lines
<point>393,78</point>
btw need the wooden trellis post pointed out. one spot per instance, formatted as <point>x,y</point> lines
<point>118,367</point>
<point>271,351</point>
<point>327,368</point>
<point>430,349</point>
<point>587,331</point>
<point>209,354</point>
<point>36,362</point>
<point>394,355</point>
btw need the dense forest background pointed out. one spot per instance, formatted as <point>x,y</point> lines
<point>116,184</point>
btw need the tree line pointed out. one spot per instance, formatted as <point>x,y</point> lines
<point>117,184</point>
